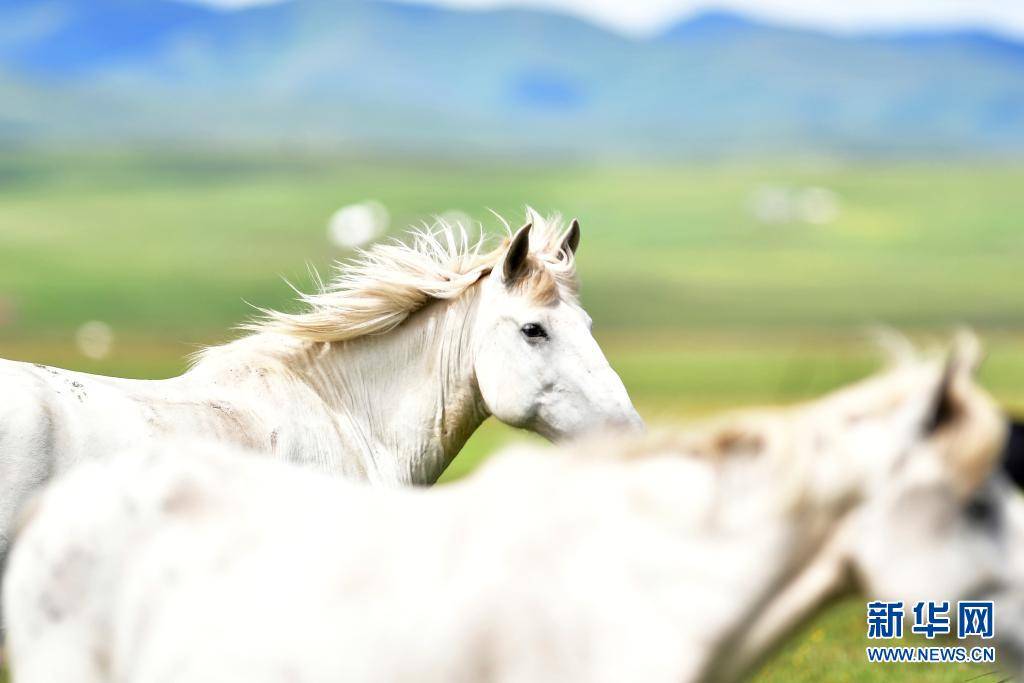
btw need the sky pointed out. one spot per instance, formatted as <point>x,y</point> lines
<point>648,16</point>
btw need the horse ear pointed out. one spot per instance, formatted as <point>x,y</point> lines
<point>943,406</point>
<point>571,241</point>
<point>962,364</point>
<point>966,354</point>
<point>514,266</point>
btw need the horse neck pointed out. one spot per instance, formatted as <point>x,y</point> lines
<point>797,544</point>
<point>406,400</point>
<point>806,571</point>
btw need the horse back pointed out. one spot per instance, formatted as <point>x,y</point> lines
<point>51,419</point>
<point>29,431</point>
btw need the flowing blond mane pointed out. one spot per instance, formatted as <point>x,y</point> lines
<point>383,285</point>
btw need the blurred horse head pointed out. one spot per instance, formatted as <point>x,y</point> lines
<point>898,489</point>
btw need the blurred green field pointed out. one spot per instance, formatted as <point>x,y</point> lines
<point>700,306</point>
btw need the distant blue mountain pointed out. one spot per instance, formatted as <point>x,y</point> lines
<point>380,75</point>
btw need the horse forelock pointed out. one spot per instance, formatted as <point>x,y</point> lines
<point>384,284</point>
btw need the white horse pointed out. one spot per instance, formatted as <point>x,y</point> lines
<point>680,557</point>
<point>383,378</point>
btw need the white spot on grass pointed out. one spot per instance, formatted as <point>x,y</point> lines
<point>817,205</point>
<point>356,225</point>
<point>780,205</point>
<point>95,340</point>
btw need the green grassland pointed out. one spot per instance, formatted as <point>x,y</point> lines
<point>699,306</point>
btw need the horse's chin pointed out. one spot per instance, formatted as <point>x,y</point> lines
<point>625,424</point>
<point>552,434</point>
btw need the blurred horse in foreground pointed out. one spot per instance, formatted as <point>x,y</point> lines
<point>681,556</point>
<point>383,378</point>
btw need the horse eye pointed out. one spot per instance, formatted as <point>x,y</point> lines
<point>534,331</point>
<point>981,510</point>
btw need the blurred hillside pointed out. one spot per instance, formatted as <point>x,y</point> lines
<point>377,76</point>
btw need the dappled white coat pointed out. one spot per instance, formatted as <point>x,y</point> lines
<point>678,557</point>
<point>383,378</point>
